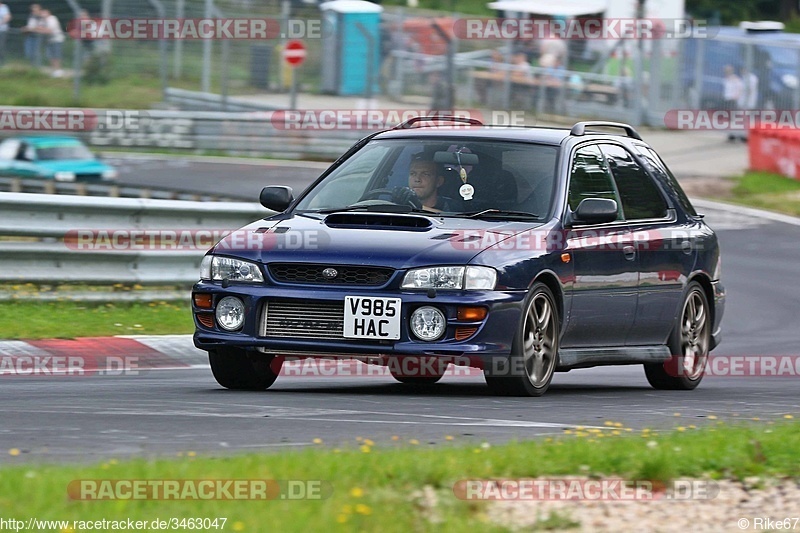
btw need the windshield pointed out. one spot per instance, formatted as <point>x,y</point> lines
<point>447,176</point>
<point>781,56</point>
<point>71,151</point>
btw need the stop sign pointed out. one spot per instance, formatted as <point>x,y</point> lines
<point>294,53</point>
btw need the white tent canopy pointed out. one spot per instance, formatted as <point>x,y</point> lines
<point>564,8</point>
<point>351,6</point>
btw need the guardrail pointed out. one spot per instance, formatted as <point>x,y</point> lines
<point>252,132</point>
<point>33,228</point>
<point>248,133</point>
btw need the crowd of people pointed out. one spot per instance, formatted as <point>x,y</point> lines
<point>43,29</point>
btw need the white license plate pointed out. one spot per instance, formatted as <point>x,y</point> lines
<point>371,318</point>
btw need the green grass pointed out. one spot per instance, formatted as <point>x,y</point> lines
<point>21,85</point>
<point>378,486</point>
<point>768,191</point>
<point>66,320</point>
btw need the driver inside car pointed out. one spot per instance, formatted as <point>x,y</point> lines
<point>424,179</point>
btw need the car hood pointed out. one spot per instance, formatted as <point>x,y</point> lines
<point>391,240</point>
<point>83,166</point>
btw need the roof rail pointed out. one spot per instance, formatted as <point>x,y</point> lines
<point>579,128</point>
<point>444,118</point>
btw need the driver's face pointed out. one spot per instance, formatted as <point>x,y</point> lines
<point>423,179</point>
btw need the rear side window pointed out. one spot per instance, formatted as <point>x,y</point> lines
<point>657,167</point>
<point>641,198</point>
<point>590,178</point>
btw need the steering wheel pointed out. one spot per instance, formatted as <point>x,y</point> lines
<point>399,195</point>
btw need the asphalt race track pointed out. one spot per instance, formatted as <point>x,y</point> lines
<point>173,411</point>
<point>238,179</point>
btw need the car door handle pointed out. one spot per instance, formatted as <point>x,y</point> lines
<point>630,252</point>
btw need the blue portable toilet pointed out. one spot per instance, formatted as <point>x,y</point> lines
<point>351,41</point>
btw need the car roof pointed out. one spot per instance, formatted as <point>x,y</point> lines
<point>48,140</point>
<point>553,136</point>
<point>734,31</point>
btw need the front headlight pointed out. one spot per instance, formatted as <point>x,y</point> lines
<point>219,268</point>
<point>64,176</point>
<point>449,277</point>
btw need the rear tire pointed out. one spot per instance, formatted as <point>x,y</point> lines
<point>529,369</point>
<point>688,343</point>
<point>238,369</point>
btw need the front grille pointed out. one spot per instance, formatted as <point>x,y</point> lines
<point>345,274</point>
<point>303,319</point>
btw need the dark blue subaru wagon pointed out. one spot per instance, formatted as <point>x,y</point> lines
<point>518,251</point>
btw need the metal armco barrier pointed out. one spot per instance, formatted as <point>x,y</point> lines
<point>33,227</point>
<point>250,133</point>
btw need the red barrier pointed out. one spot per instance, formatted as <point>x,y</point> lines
<point>775,150</point>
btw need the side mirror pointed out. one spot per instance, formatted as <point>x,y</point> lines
<point>595,211</point>
<point>276,197</point>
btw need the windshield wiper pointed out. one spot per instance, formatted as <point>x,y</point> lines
<point>380,208</point>
<point>501,213</point>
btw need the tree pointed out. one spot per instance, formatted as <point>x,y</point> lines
<point>728,13</point>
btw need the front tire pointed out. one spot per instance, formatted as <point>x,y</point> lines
<point>688,343</point>
<point>238,369</point>
<point>529,369</point>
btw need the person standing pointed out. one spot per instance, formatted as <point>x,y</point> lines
<point>55,41</point>
<point>5,18</point>
<point>732,89</point>
<point>33,38</point>
<point>749,96</point>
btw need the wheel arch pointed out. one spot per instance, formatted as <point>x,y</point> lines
<point>550,280</point>
<point>705,282</point>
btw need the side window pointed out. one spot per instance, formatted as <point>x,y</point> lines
<point>641,198</point>
<point>590,178</point>
<point>662,172</point>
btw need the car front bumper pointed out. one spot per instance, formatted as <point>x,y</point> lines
<point>492,337</point>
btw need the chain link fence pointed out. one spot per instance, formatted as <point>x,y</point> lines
<point>421,62</point>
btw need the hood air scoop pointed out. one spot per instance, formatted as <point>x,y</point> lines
<point>378,221</point>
